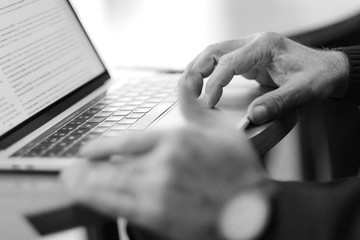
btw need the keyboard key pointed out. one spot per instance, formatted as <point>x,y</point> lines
<point>127,121</point>
<point>131,94</point>
<point>52,152</point>
<point>99,106</point>
<point>83,118</point>
<point>99,130</point>
<point>110,97</point>
<point>71,138</point>
<point>36,151</point>
<point>117,104</point>
<point>96,119</point>
<point>142,110</point>
<point>103,114</point>
<point>147,93</point>
<point>59,134</point>
<point>154,100</point>
<point>67,129</point>
<point>50,140</point>
<point>135,115</point>
<point>106,101</point>
<point>62,145</point>
<point>89,125</point>
<point>114,118</point>
<point>122,113</point>
<point>80,131</point>
<point>92,111</point>
<point>76,122</point>
<point>129,108</point>
<point>110,109</point>
<point>134,103</point>
<point>40,148</point>
<point>106,124</point>
<point>124,99</point>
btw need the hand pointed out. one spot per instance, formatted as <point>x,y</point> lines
<point>173,182</point>
<point>301,74</point>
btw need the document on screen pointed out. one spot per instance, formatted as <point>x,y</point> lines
<point>44,55</point>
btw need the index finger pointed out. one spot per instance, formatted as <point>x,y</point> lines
<point>204,64</point>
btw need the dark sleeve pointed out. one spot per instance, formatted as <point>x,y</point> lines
<point>314,211</point>
<point>304,211</point>
<point>353,92</point>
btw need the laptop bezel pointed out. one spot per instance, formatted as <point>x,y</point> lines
<point>56,108</point>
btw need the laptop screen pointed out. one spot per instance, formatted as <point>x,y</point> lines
<point>44,56</point>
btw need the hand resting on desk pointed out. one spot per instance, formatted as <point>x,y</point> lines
<point>298,73</point>
<point>177,182</point>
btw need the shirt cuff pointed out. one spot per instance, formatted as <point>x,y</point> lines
<point>352,93</point>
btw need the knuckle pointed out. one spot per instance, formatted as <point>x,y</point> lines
<point>191,73</point>
<point>269,36</point>
<point>212,49</point>
<point>226,60</point>
<point>193,80</point>
<point>277,103</point>
<point>216,50</point>
<point>272,38</point>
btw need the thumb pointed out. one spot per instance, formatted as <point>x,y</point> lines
<point>272,104</point>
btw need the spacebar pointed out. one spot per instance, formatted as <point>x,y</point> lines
<point>151,116</point>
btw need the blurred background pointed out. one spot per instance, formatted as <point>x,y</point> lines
<point>169,33</point>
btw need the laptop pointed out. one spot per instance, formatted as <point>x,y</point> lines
<point>56,94</point>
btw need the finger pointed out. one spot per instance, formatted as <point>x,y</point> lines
<point>204,64</point>
<point>101,186</point>
<point>194,113</point>
<point>189,105</point>
<point>270,105</point>
<point>243,60</point>
<point>127,144</point>
<point>194,79</point>
<point>117,192</point>
<point>97,175</point>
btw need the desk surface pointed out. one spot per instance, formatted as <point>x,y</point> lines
<point>180,30</point>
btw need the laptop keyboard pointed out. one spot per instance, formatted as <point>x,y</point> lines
<point>132,107</point>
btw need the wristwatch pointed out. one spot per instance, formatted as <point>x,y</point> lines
<point>245,216</point>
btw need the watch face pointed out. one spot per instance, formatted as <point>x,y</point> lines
<point>245,216</point>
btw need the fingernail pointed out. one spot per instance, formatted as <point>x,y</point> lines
<point>260,114</point>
